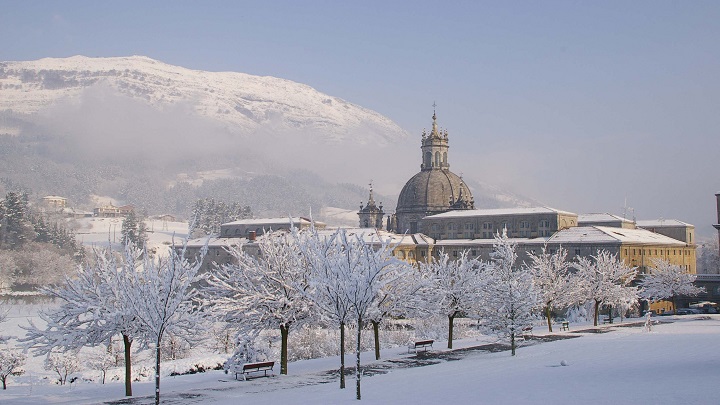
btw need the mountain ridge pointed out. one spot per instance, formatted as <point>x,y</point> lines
<point>243,103</point>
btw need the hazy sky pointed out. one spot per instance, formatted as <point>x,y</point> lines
<point>581,105</point>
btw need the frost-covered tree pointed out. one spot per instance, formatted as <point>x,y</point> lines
<point>665,280</point>
<point>161,297</point>
<point>263,291</point>
<point>350,273</point>
<point>373,270</point>
<point>103,361</point>
<point>63,364</point>
<point>550,273</point>
<point>11,362</point>
<point>509,295</point>
<point>397,299</point>
<point>604,279</point>
<point>92,309</point>
<point>328,288</point>
<point>451,287</point>
<point>15,230</point>
<point>133,230</point>
<point>208,214</point>
<point>708,257</point>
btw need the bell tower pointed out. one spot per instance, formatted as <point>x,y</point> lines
<point>371,215</point>
<point>435,148</point>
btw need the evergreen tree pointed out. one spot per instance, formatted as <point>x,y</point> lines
<point>15,229</point>
<point>133,230</point>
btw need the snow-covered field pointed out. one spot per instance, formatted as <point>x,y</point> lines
<point>675,363</point>
<point>98,231</point>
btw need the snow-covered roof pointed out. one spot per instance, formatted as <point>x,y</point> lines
<point>499,212</point>
<point>375,235</point>
<point>487,242</point>
<point>214,242</point>
<point>606,234</point>
<point>369,235</point>
<point>601,217</point>
<point>660,223</point>
<point>271,221</point>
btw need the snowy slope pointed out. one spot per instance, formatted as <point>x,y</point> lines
<point>240,102</point>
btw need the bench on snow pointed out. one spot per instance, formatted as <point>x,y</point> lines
<point>527,332</point>
<point>420,344</point>
<point>255,369</point>
<point>565,325</point>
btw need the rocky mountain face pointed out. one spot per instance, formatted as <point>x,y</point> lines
<point>239,102</point>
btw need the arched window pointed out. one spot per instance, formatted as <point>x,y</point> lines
<point>365,223</point>
<point>428,159</point>
<point>445,158</point>
<point>437,159</point>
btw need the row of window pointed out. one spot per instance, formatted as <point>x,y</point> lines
<point>468,226</point>
<point>650,252</point>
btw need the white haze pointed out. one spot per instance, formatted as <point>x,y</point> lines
<point>598,171</point>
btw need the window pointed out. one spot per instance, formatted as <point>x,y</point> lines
<point>434,227</point>
<point>577,251</point>
<point>473,252</point>
<point>469,225</point>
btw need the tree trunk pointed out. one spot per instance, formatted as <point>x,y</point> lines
<point>547,315</point>
<point>4,384</point>
<point>674,298</point>
<point>376,332</point>
<point>597,315</point>
<point>451,318</point>
<point>284,331</point>
<point>512,343</point>
<point>610,314</point>
<point>128,366</point>
<point>342,355</point>
<point>357,359</point>
<point>157,372</point>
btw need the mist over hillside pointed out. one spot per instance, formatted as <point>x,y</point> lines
<point>156,136</point>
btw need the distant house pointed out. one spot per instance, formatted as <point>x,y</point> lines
<point>111,211</point>
<point>54,201</point>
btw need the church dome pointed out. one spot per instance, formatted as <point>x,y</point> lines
<point>432,190</point>
<point>435,189</point>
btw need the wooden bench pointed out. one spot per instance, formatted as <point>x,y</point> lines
<point>420,344</point>
<point>565,325</point>
<point>254,368</point>
<point>607,320</point>
<point>527,332</point>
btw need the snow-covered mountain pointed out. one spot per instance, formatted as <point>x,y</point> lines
<point>239,102</point>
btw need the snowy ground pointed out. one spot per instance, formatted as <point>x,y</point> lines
<point>677,362</point>
<point>98,231</point>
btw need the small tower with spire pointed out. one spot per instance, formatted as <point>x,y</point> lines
<point>371,215</point>
<point>434,147</point>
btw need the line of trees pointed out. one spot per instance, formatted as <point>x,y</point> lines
<point>325,279</point>
<point>34,248</point>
